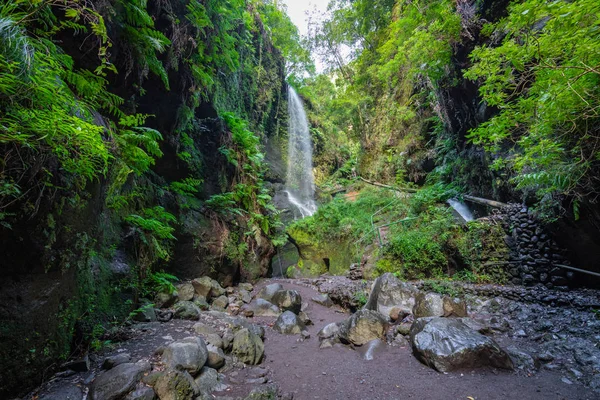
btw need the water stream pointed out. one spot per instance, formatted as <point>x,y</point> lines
<point>300,182</point>
<point>462,209</point>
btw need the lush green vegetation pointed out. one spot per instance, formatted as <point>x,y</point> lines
<point>536,70</point>
<point>108,111</point>
<point>418,236</point>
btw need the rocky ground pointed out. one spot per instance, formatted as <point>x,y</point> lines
<point>286,339</point>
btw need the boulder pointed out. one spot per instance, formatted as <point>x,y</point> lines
<point>216,357</point>
<point>118,381</point>
<point>63,392</point>
<point>267,392</point>
<point>362,327</point>
<point>187,310</point>
<point>302,316</point>
<point>436,305</point>
<point>263,308</point>
<point>388,292</point>
<point>329,331</point>
<point>214,339</point>
<point>248,347</point>
<point>165,300</point>
<point>269,291</point>
<point>455,307</point>
<point>176,385</point>
<point>145,313</point>
<point>288,323</point>
<point>323,300</point>
<point>201,303</point>
<point>185,291</point>
<point>143,393</point>
<point>447,344</point>
<point>246,286</point>
<point>245,296</point>
<point>114,360</point>
<point>189,354</point>
<point>220,302</point>
<point>209,381</point>
<point>288,300</point>
<point>207,287</point>
<point>203,329</point>
<point>428,305</point>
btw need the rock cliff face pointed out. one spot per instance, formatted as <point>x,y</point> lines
<point>65,263</point>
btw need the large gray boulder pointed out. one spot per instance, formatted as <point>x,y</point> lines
<point>288,300</point>
<point>269,291</point>
<point>436,305</point>
<point>118,381</point>
<point>288,323</point>
<point>362,327</point>
<point>248,347</point>
<point>263,308</point>
<point>447,344</point>
<point>176,385</point>
<point>388,292</point>
<point>187,310</point>
<point>189,354</point>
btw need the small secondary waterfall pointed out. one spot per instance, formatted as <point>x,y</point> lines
<point>300,182</point>
<point>462,209</point>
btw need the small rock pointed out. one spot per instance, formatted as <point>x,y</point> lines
<point>216,357</point>
<point>323,300</point>
<point>288,323</point>
<point>221,302</point>
<point>143,393</point>
<point>214,339</point>
<point>187,310</point>
<point>269,291</point>
<point>328,331</point>
<point>185,291</point>
<point>246,286</point>
<point>288,300</point>
<point>262,308</point>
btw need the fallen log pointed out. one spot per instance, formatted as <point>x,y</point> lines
<point>409,190</point>
<point>485,202</point>
<point>473,199</point>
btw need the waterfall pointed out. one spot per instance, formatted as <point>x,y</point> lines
<point>462,209</point>
<point>300,182</point>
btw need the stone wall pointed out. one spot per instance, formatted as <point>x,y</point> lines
<point>534,252</point>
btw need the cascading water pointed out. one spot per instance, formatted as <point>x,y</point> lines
<point>462,209</point>
<point>300,182</point>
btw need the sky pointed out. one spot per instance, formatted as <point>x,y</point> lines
<point>297,10</point>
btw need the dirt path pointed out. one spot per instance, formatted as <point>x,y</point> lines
<point>303,370</point>
<point>300,367</point>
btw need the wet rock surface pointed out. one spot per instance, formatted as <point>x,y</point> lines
<point>447,344</point>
